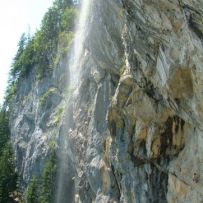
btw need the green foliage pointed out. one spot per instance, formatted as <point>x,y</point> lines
<point>65,39</point>
<point>47,183</point>
<point>41,189</point>
<point>67,22</point>
<point>31,194</point>
<point>58,116</point>
<point>4,129</point>
<point>45,47</point>
<point>52,144</point>
<point>44,97</point>
<point>62,3</point>
<point>8,177</point>
<point>16,66</point>
<point>36,55</point>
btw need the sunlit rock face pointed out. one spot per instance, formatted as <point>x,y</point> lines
<point>137,120</point>
<point>35,119</point>
<point>143,74</point>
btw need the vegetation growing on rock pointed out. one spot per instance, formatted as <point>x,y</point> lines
<point>38,56</point>
<point>41,189</point>
<point>42,51</point>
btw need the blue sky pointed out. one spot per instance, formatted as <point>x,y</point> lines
<point>16,17</point>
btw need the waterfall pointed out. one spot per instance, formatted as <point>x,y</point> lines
<point>78,43</point>
<point>65,190</point>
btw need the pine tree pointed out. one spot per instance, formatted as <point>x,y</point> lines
<point>47,185</point>
<point>32,192</point>
<point>8,177</point>
<point>17,62</point>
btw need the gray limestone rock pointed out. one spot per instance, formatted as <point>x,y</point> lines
<point>135,123</point>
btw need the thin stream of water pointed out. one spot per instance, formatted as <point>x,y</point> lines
<point>79,43</point>
<point>65,190</point>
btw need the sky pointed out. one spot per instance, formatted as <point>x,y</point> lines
<point>16,17</point>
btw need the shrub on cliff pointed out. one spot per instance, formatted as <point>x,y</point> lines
<point>42,50</point>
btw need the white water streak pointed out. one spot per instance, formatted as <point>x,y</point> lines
<point>74,67</point>
<point>79,43</point>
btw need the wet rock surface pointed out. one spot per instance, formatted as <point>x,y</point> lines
<point>136,133</point>
<point>35,120</point>
<point>154,110</point>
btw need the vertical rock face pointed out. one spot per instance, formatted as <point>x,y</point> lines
<point>35,119</point>
<point>137,134</point>
<point>144,62</point>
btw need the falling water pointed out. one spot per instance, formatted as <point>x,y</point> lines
<point>78,43</point>
<point>65,183</point>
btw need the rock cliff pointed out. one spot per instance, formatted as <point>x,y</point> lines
<point>134,124</point>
